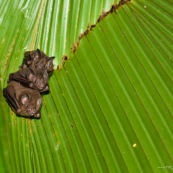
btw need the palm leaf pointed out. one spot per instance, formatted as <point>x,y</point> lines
<point>110,106</point>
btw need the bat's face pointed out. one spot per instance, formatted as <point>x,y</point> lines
<point>38,79</point>
<point>45,63</point>
<point>30,105</point>
<point>32,57</point>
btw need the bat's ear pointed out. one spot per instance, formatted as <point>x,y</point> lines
<point>39,52</point>
<point>25,99</point>
<point>27,54</point>
<point>39,102</point>
<point>49,64</point>
<point>52,58</point>
<point>27,58</point>
<point>38,106</point>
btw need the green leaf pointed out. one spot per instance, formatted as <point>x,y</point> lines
<point>110,105</point>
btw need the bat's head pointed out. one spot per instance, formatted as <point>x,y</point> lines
<point>45,63</point>
<point>41,79</point>
<point>30,104</point>
<point>38,79</point>
<point>36,55</point>
<point>32,57</point>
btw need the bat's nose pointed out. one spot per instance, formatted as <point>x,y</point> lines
<point>41,84</point>
<point>33,111</point>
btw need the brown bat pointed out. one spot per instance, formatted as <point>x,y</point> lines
<point>30,57</point>
<point>32,78</point>
<point>23,101</point>
<point>45,63</point>
<point>38,60</point>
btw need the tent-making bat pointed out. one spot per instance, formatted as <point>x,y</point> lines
<point>32,78</point>
<point>38,60</point>
<point>25,86</point>
<point>23,101</point>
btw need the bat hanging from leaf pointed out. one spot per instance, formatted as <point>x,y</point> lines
<point>24,86</point>
<point>32,78</point>
<point>38,60</point>
<point>32,57</point>
<point>23,101</point>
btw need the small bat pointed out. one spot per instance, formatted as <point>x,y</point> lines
<point>23,101</point>
<point>32,78</point>
<point>31,57</point>
<point>45,63</point>
<point>38,60</point>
